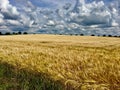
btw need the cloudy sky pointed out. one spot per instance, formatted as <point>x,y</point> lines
<point>61,16</point>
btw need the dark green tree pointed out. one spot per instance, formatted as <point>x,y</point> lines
<point>92,35</point>
<point>25,33</point>
<point>81,34</point>
<point>19,32</point>
<point>109,35</point>
<point>7,33</point>
<point>0,33</point>
<point>104,35</point>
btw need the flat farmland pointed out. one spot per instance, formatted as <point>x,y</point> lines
<point>59,62</point>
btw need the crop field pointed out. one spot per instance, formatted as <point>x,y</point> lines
<point>59,62</point>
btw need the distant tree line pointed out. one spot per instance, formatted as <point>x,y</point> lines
<point>13,33</point>
<point>20,33</point>
<point>104,35</point>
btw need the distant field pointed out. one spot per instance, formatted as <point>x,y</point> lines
<point>59,62</point>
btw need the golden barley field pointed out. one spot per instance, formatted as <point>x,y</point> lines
<point>59,62</point>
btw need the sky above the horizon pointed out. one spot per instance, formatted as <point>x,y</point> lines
<point>60,16</point>
<point>51,3</point>
<point>44,3</point>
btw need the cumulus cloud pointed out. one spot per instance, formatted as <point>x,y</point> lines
<point>16,18</point>
<point>92,14</point>
<point>8,11</point>
<point>8,15</point>
<point>1,18</point>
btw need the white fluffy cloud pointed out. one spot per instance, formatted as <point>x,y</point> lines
<point>8,10</point>
<point>93,13</point>
<point>8,15</point>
